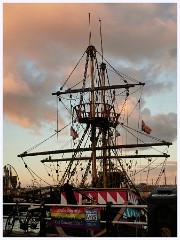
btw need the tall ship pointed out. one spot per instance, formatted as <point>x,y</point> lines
<point>109,139</point>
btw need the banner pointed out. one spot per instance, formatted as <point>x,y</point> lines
<point>76,217</point>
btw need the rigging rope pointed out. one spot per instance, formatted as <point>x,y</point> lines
<point>72,71</point>
<point>161,172</point>
<point>154,138</point>
<point>150,164</point>
<point>66,173</point>
<point>31,171</point>
<point>122,75</point>
<point>46,139</point>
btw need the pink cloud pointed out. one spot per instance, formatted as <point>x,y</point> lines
<point>15,86</point>
<point>54,36</point>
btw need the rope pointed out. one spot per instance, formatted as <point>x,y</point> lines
<point>72,71</point>
<point>31,171</point>
<point>122,75</point>
<point>149,165</point>
<point>46,139</point>
<point>161,172</point>
<point>154,138</point>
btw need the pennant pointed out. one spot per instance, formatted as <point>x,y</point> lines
<point>145,128</point>
<point>73,133</point>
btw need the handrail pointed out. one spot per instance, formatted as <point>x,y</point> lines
<point>79,205</point>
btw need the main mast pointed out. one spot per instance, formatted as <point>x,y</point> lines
<point>91,51</point>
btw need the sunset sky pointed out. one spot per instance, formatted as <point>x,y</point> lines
<point>43,42</point>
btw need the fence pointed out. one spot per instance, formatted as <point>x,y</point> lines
<point>108,207</point>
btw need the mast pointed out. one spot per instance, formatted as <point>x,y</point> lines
<point>103,67</point>
<point>103,98</point>
<point>92,53</point>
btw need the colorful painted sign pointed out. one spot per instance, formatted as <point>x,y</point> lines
<point>76,217</point>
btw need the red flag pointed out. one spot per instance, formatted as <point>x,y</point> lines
<point>145,128</point>
<point>73,133</point>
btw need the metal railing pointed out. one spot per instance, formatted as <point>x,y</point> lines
<point>108,207</point>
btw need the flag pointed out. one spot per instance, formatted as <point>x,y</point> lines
<point>73,133</point>
<point>145,128</point>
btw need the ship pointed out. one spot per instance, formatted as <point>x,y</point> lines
<point>108,140</point>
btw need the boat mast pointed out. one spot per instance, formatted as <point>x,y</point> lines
<point>104,129</point>
<point>91,51</point>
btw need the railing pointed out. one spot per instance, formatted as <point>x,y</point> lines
<point>82,111</point>
<point>108,208</point>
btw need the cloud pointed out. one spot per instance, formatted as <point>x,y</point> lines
<point>164,126</point>
<point>28,103</point>
<point>142,31</point>
<point>43,42</point>
<point>129,30</point>
<point>17,87</point>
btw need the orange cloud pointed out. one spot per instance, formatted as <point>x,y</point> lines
<point>16,87</point>
<point>54,35</point>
